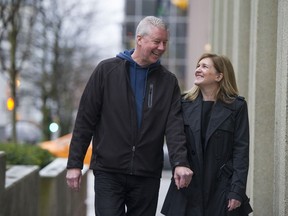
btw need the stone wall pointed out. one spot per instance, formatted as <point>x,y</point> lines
<point>21,193</point>
<point>26,190</point>
<point>56,198</point>
<point>2,179</point>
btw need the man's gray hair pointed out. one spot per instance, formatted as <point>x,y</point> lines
<point>145,25</point>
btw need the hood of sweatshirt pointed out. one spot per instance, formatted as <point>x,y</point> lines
<point>138,80</point>
<point>127,56</point>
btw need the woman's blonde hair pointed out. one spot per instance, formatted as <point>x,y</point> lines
<point>227,91</point>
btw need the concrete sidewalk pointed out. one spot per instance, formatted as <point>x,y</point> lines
<point>165,181</point>
<point>90,194</point>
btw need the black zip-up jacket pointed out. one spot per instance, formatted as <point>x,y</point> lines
<point>107,113</point>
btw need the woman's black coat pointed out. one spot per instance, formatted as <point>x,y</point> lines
<point>220,172</point>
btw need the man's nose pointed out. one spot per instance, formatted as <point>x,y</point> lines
<point>162,46</point>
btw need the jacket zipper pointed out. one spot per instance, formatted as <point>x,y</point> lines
<point>150,96</point>
<point>132,161</point>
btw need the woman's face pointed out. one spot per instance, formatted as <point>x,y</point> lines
<point>206,75</point>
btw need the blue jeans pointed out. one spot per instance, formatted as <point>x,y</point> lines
<point>125,195</point>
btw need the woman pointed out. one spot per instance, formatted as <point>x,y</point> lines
<point>217,131</point>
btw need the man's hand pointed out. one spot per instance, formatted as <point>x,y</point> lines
<point>182,176</point>
<point>73,178</point>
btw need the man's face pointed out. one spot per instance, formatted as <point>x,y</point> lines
<point>152,46</point>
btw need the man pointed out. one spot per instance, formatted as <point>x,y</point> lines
<point>131,102</point>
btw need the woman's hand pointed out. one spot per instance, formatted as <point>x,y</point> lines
<point>233,204</point>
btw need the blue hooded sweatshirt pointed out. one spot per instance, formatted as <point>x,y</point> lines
<point>138,80</point>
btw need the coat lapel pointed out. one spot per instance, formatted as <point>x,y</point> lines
<point>219,114</point>
<point>192,117</point>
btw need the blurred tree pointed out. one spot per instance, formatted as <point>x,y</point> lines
<point>15,41</point>
<point>62,29</point>
<point>48,41</point>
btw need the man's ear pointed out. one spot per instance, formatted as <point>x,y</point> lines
<point>138,38</point>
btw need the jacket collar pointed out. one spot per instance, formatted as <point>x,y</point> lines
<point>192,117</point>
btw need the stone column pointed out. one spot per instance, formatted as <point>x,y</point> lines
<point>281,118</point>
<point>240,47</point>
<point>262,76</point>
<point>217,25</point>
<point>240,54</point>
<point>198,36</point>
<point>227,22</point>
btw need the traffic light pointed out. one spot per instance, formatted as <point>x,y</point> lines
<point>182,4</point>
<point>10,104</point>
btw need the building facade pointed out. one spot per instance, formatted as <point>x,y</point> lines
<point>254,35</point>
<point>176,17</point>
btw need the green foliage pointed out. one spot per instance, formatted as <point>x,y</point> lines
<point>18,154</point>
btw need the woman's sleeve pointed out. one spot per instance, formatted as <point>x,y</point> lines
<point>240,153</point>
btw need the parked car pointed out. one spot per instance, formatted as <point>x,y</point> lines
<point>60,147</point>
<point>27,132</point>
